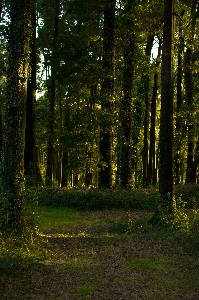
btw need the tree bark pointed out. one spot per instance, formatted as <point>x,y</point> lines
<point>166,118</point>
<point>65,171</point>
<point>178,129</point>
<point>145,80</point>
<point>152,170</point>
<point>51,95</point>
<point>126,103</point>
<point>107,92</point>
<point>18,48</point>
<point>30,154</point>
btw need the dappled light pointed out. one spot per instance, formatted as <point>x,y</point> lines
<point>99,144</point>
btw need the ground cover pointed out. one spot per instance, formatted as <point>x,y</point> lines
<point>107,254</point>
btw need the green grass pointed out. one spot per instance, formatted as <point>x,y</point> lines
<point>51,218</point>
<point>84,290</point>
<point>147,265</point>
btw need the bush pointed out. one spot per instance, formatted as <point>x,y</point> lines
<point>189,194</point>
<point>89,199</point>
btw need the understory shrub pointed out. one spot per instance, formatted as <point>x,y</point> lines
<point>94,198</point>
<point>89,199</point>
<point>189,194</point>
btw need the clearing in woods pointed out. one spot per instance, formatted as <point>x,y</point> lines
<point>91,255</point>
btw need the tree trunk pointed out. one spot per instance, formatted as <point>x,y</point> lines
<point>15,114</point>
<point>51,94</point>
<point>145,80</point>
<point>166,118</point>
<point>178,129</point>
<point>191,171</point>
<point>65,171</point>
<point>107,92</point>
<point>152,176</point>
<point>1,124</point>
<point>30,154</point>
<point>152,170</point>
<point>190,174</point>
<point>90,107</point>
<point>126,103</point>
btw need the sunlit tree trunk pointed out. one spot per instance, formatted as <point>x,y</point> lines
<point>18,48</point>
<point>107,92</point>
<point>166,118</point>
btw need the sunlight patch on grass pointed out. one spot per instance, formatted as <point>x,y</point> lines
<point>57,218</point>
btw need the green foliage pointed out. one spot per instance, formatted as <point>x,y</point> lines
<point>129,225</point>
<point>189,193</point>
<point>94,198</point>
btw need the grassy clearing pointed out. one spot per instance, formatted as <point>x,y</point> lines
<point>100,254</point>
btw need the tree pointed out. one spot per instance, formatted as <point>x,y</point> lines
<point>51,95</point>
<point>126,104</point>
<point>191,170</point>
<point>152,169</point>
<point>30,155</point>
<point>107,92</point>
<point>145,80</point>
<point>166,119</point>
<point>18,49</point>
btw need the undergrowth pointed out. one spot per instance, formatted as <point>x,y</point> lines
<point>97,199</point>
<point>94,198</point>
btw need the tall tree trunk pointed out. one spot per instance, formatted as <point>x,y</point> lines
<point>90,107</point>
<point>166,118</point>
<point>30,154</point>
<point>152,170</point>
<point>126,103</point>
<point>191,171</point>
<point>107,92</point>
<point>178,133</point>
<point>145,80</point>
<point>152,176</point>
<point>1,124</point>
<point>51,94</point>
<point>15,114</point>
<point>65,171</point>
<point>190,174</point>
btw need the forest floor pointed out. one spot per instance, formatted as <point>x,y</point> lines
<point>91,257</point>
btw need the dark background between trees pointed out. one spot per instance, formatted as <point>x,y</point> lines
<point>103,72</point>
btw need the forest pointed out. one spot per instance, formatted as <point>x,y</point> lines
<point>99,114</point>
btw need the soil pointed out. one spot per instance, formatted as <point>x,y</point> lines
<point>94,260</point>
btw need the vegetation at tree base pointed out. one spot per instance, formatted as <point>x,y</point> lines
<point>99,111</point>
